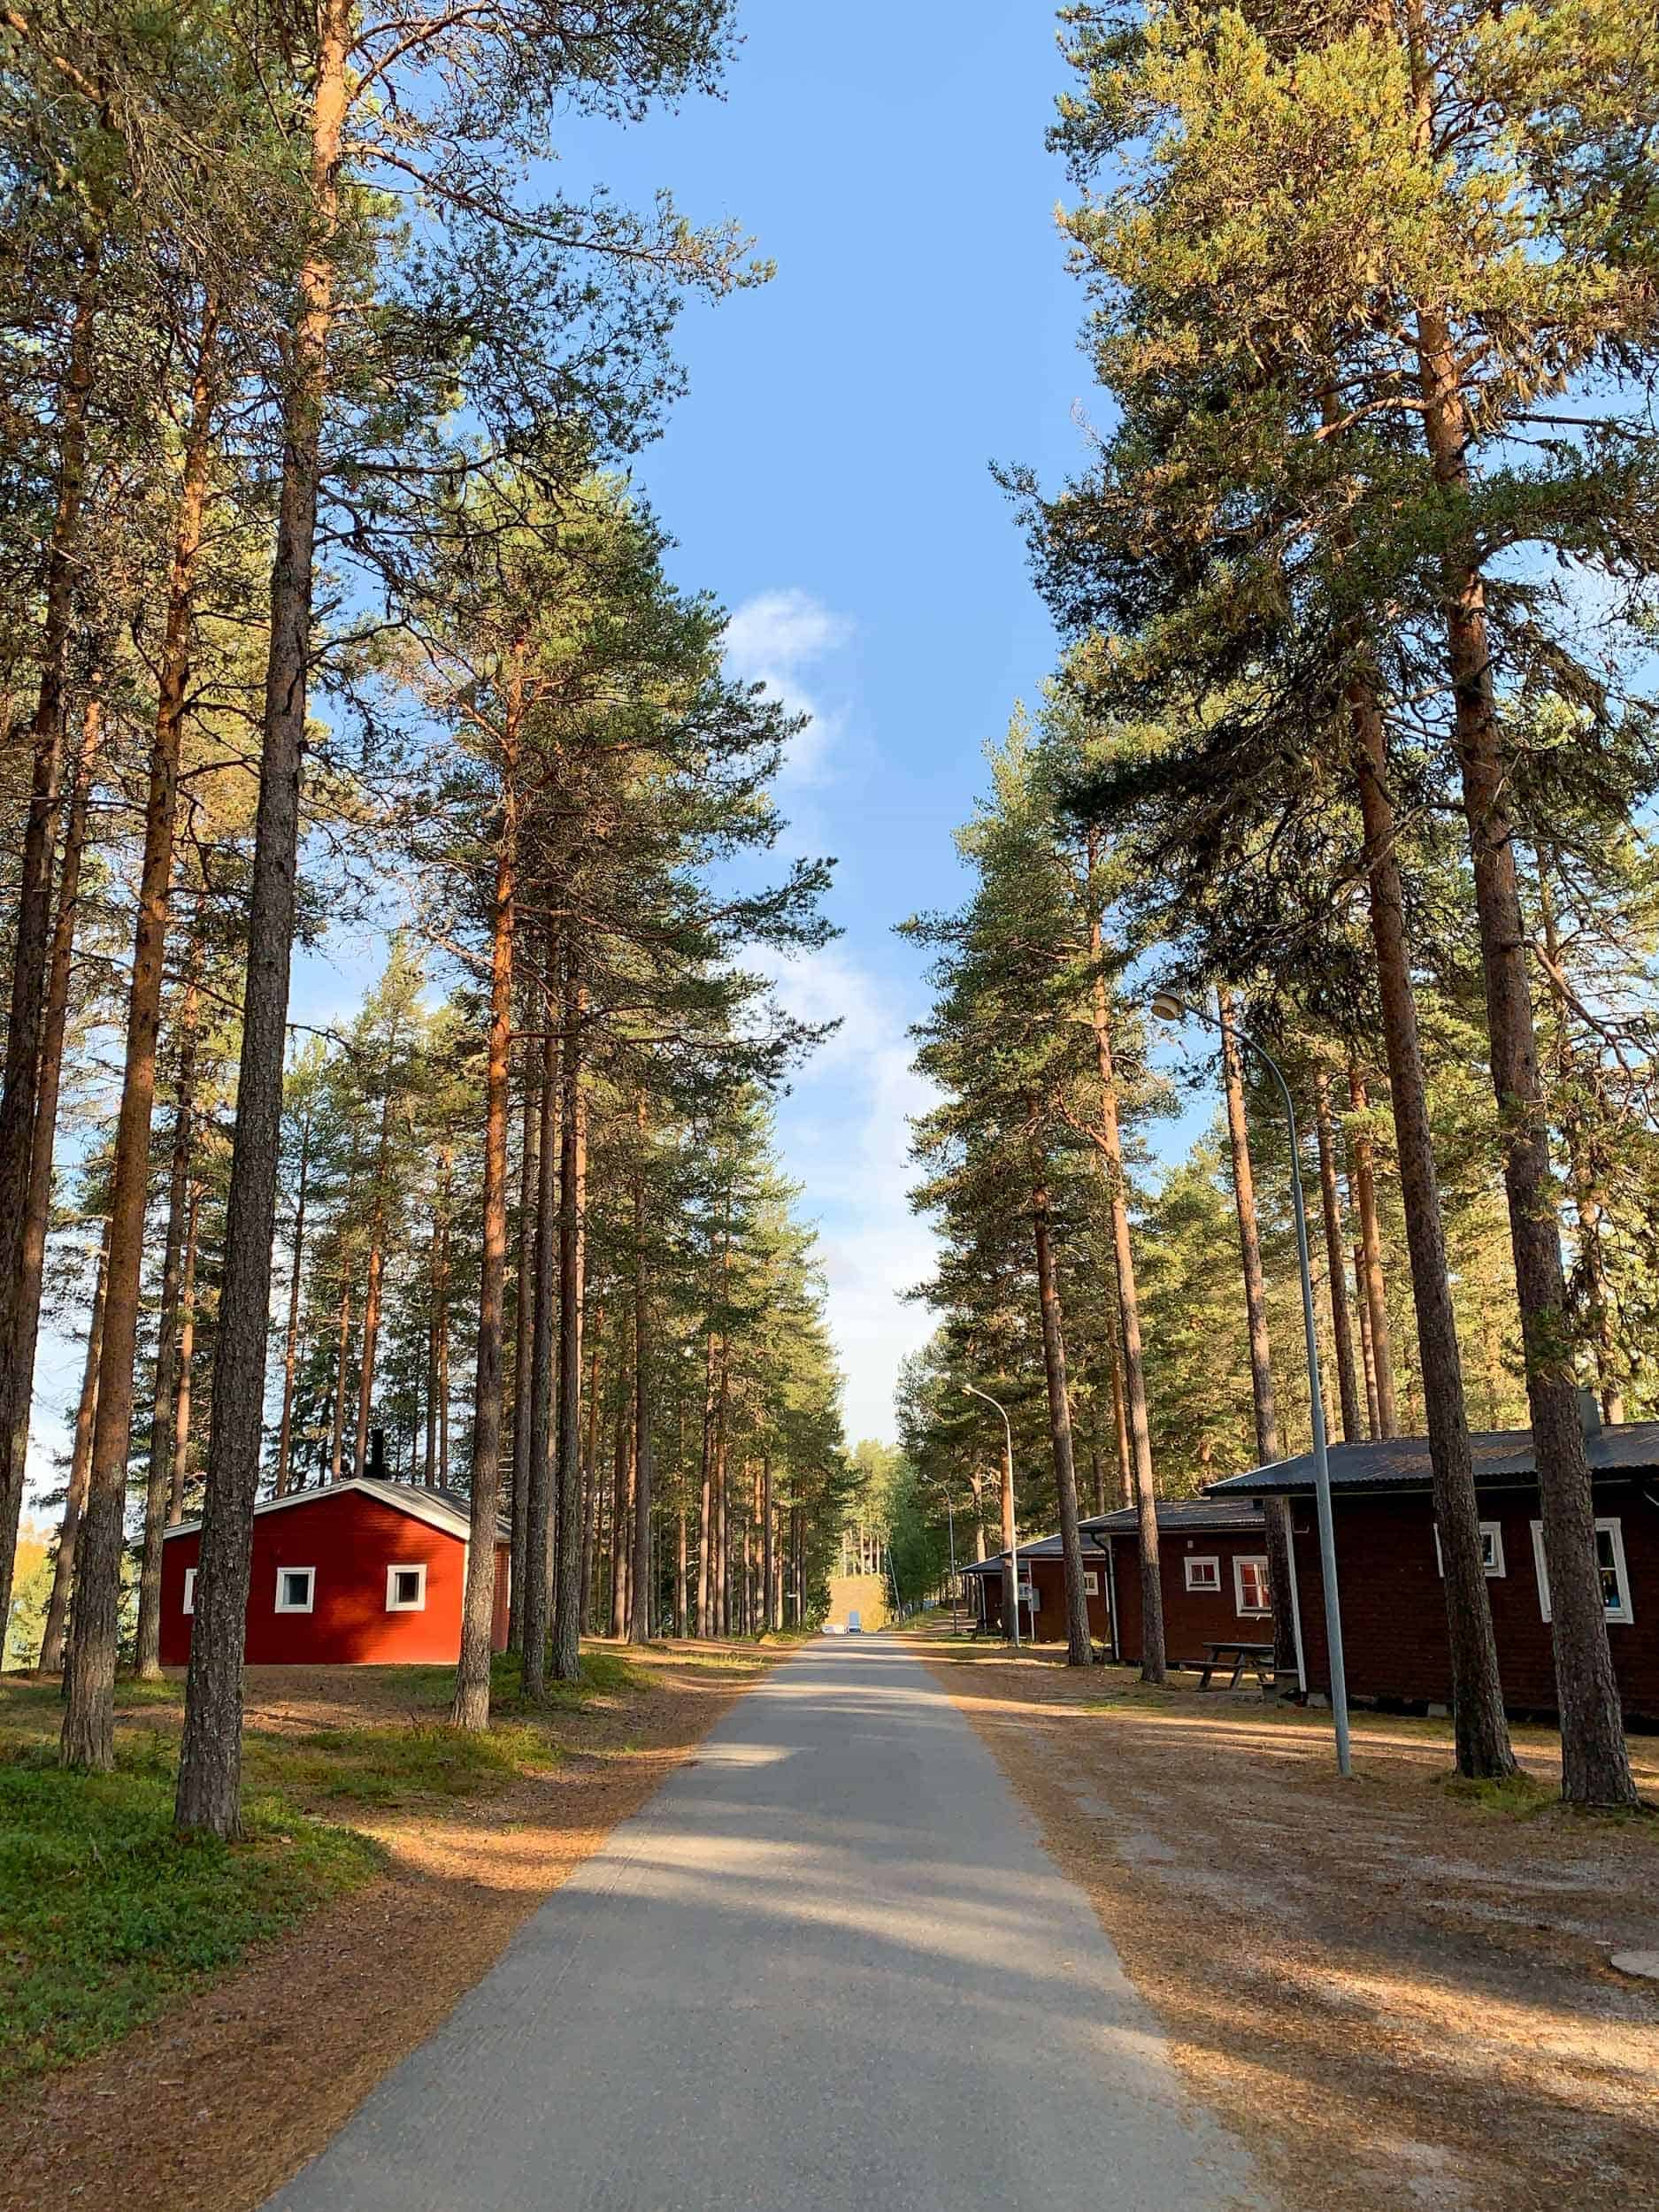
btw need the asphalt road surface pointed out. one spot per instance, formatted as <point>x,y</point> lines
<point>828,1968</point>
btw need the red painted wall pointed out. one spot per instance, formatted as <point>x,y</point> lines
<point>1191,1619</point>
<point>350,1539</point>
<point>1046,1576</point>
<point>1393,1613</point>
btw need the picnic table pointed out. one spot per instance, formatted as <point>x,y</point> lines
<point>1259,1657</point>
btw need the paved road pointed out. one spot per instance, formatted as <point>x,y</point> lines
<point>829,1968</point>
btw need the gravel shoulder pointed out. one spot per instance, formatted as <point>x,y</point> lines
<point>211,2107</point>
<point>1398,1993</point>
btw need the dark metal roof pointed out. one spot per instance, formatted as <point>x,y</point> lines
<point>1177,1514</point>
<point>1501,1457</point>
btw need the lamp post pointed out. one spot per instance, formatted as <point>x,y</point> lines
<point>1170,1008</point>
<point>1013,1525</point>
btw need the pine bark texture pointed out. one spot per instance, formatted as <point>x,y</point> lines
<point>1481,1729</point>
<point>1080,1650</point>
<point>209,1758</point>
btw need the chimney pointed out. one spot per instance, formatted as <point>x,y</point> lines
<point>377,1454</point>
<point>1589,1412</point>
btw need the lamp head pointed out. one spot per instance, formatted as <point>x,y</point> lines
<point>1167,1007</point>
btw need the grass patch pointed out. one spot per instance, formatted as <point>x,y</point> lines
<point>1519,1796</point>
<point>396,1764</point>
<point>105,1913</point>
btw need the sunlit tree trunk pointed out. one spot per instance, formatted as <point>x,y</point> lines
<point>1481,1729</point>
<point>1078,1650</point>
<point>1330,1206</point>
<point>210,1757</point>
<point>159,1487</point>
<point>291,1345</point>
<point>88,1734</point>
<point>567,1619</point>
<point>79,1470</point>
<point>1152,1663</point>
<point>19,1097</point>
<point>186,1360</point>
<point>540,1521</point>
<point>469,1709</point>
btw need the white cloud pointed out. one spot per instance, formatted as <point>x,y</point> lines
<point>777,639</point>
<point>845,1134</point>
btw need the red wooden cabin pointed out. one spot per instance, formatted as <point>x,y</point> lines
<point>1388,1576</point>
<point>360,1573</point>
<point>1043,1576</point>
<point>1212,1575</point>
<point>1212,1563</point>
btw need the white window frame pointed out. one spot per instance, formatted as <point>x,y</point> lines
<point>1031,1595</point>
<point>311,1589</point>
<point>417,1603</point>
<point>189,1589</point>
<point>1495,1569</point>
<point>1091,1582</point>
<point>1621,1616</point>
<point>1241,1560</point>
<point>1212,1560</point>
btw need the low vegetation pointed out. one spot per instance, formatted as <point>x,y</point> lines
<point>107,1912</point>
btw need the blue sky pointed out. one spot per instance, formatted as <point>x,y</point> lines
<point>827,475</point>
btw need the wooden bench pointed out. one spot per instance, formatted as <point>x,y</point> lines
<point>1258,1657</point>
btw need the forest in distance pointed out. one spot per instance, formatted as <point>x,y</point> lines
<point>324,566</point>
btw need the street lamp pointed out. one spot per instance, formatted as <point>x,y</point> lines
<point>1013,1525</point>
<point>1170,1008</point>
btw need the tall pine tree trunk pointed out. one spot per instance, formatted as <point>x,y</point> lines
<point>640,1624</point>
<point>20,1098</point>
<point>80,1471</point>
<point>1330,1207</point>
<point>1595,1766</point>
<point>524,1333</point>
<point>1281,1563</point>
<point>1153,1661</point>
<point>180,1460</point>
<point>469,1709</point>
<point>567,1608</point>
<point>291,1344</point>
<point>1370,1248</point>
<point>1078,1650</point>
<point>88,1734</point>
<point>1581,1172</point>
<point>539,1516</point>
<point>1481,1729</point>
<point>210,1755</point>
<point>159,1483</point>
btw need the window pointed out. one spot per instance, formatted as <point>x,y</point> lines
<point>406,1589</point>
<point>1250,1585</point>
<point>296,1587</point>
<point>1031,1597</point>
<point>1091,1582</point>
<point>1610,1554</point>
<point>189,1589</point>
<point>1203,1574</point>
<point>1490,1551</point>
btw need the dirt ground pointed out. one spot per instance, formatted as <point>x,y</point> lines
<point>218,2102</point>
<point>1400,1995</point>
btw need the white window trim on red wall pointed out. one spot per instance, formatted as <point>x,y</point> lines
<point>311,1589</point>
<point>1240,1562</point>
<point>189,1589</point>
<point>1620,1615</point>
<point>417,1603</point>
<point>1495,1569</point>
<point>1211,1586</point>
